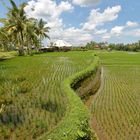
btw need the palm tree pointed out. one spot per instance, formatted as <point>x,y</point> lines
<point>14,25</point>
<point>18,19</point>
<point>22,30</point>
<point>41,31</point>
<point>30,35</point>
<point>35,32</point>
<point>3,40</point>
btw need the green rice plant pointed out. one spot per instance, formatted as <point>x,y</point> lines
<point>76,113</point>
<point>116,106</point>
<point>32,86</point>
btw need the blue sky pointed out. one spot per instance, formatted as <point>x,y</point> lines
<point>80,21</point>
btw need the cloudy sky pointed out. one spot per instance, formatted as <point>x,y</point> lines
<point>80,21</point>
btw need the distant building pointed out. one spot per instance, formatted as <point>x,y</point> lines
<point>97,46</point>
<point>58,45</point>
<point>61,44</point>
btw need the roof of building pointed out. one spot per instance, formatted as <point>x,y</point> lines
<point>61,43</point>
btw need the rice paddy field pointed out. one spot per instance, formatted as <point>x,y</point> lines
<point>31,88</point>
<point>32,91</point>
<point>116,106</point>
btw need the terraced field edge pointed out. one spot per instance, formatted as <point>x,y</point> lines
<point>75,122</point>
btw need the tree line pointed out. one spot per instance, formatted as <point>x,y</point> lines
<point>135,47</point>
<point>20,32</point>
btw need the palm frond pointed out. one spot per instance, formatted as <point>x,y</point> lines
<point>13,5</point>
<point>3,20</point>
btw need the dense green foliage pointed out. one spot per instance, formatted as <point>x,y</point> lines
<point>6,55</point>
<point>116,107</point>
<point>20,32</point>
<point>91,45</point>
<point>135,47</point>
<point>96,45</point>
<point>34,95</point>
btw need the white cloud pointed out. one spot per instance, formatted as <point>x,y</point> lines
<point>131,24</point>
<point>84,3</point>
<point>77,35</point>
<point>122,31</point>
<point>87,30</point>
<point>117,30</point>
<point>106,37</point>
<point>51,12</point>
<point>97,18</point>
<point>137,32</point>
<point>72,35</point>
<point>99,32</point>
<point>134,32</point>
<point>64,6</point>
<point>48,10</point>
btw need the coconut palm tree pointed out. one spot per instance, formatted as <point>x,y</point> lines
<point>22,30</point>
<point>3,40</point>
<point>30,35</point>
<point>15,23</point>
<point>41,31</point>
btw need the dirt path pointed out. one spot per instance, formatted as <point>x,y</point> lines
<point>93,122</point>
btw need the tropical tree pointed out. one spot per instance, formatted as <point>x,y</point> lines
<point>41,31</point>
<point>91,45</point>
<point>15,23</point>
<point>4,43</point>
<point>23,31</point>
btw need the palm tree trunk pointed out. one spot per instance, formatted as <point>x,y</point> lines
<point>28,50</point>
<point>21,49</point>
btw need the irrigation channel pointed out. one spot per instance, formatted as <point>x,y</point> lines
<point>88,89</point>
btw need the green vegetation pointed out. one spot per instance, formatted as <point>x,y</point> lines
<point>7,55</point>
<point>38,96</point>
<point>94,45</point>
<point>75,124</point>
<point>116,106</point>
<point>134,47</point>
<point>91,45</point>
<point>36,92</point>
<point>20,32</point>
<point>35,96</point>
